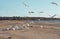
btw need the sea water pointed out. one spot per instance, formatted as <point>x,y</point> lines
<point>45,20</point>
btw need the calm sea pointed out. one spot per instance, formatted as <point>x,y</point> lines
<point>46,20</point>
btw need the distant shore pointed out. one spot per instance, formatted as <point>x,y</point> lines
<point>27,18</point>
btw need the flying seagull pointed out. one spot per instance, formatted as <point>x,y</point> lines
<point>30,12</point>
<point>41,12</point>
<point>52,16</point>
<point>25,4</point>
<point>54,3</point>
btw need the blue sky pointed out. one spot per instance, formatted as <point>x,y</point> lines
<point>17,8</point>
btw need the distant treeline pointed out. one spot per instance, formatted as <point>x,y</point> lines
<point>27,18</point>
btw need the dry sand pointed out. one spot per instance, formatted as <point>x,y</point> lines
<point>32,33</point>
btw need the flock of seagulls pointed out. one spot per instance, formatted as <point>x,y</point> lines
<point>30,12</point>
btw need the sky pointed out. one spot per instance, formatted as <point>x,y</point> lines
<point>17,8</point>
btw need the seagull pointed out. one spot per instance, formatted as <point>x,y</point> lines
<point>41,12</point>
<point>25,4</point>
<point>30,12</point>
<point>54,3</point>
<point>52,16</point>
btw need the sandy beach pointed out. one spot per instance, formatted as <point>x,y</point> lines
<point>49,30</point>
